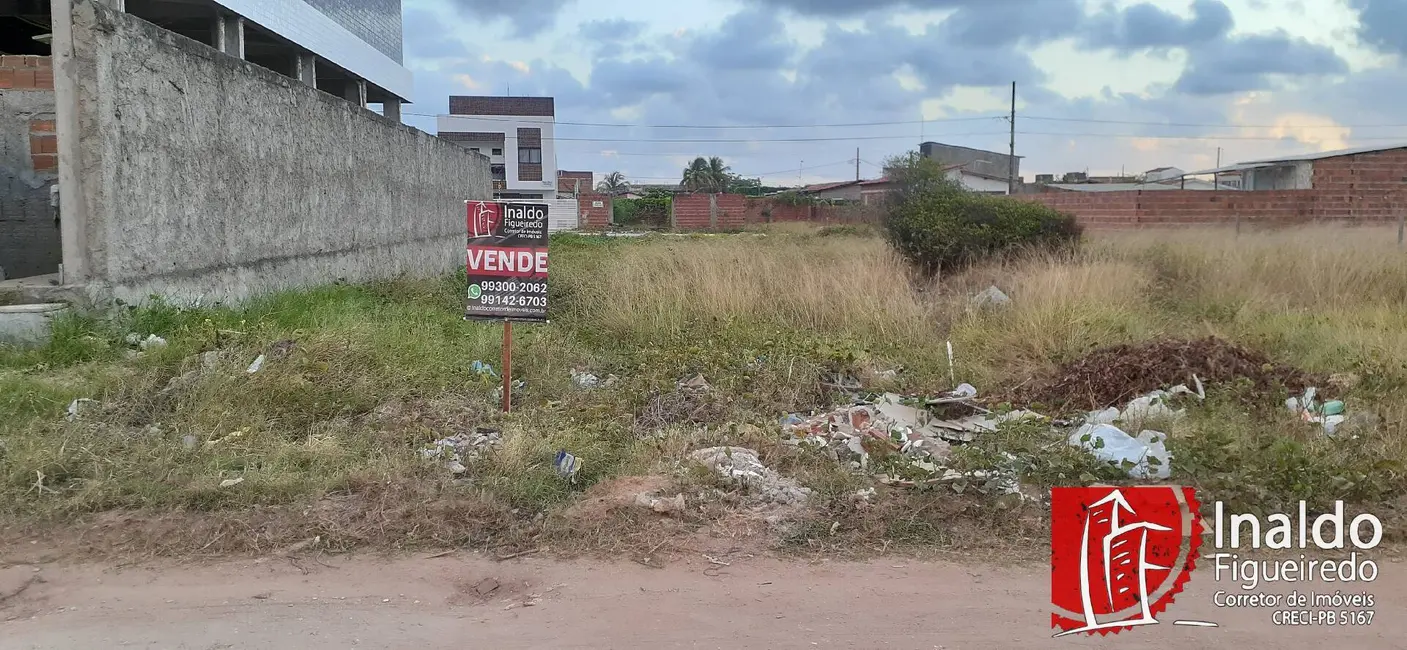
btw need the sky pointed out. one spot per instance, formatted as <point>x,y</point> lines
<point>787,90</point>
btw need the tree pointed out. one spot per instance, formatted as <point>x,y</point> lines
<point>707,175</point>
<point>613,184</point>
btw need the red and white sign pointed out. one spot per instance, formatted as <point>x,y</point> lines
<point>507,262</point>
<point>1118,555</point>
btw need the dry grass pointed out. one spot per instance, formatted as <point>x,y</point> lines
<point>327,438</point>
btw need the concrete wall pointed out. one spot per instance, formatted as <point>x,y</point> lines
<point>189,173</point>
<point>976,160</point>
<point>29,235</point>
<point>562,214</point>
<point>1294,176</point>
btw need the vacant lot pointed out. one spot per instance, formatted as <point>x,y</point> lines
<point>184,451</point>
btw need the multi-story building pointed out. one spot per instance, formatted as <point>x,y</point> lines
<point>979,170</point>
<point>516,133</point>
<point>349,48</point>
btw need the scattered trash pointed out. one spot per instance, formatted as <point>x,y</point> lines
<point>1344,380</point>
<point>1153,406</point>
<point>460,448</point>
<point>742,466</point>
<point>76,405</point>
<point>842,383</point>
<point>664,506</point>
<point>152,341</point>
<point>991,297</point>
<point>257,365</point>
<point>482,369</point>
<point>189,441</point>
<point>1328,415</point>
<point>281,349</point>
<point>586,380</point>
<point>1143,457</point>
<point>231,482</point>
<point>567,465</point>
<point>885,375</point>
<point>952,367</point>
<point>498,390</point>
<point>693,384</point>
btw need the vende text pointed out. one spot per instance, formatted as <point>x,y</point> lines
<point>508,262</point>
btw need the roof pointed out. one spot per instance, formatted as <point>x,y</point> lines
<point>1158,169</point>
<point>877,181</point>
<point>486,105</point>
<point>821,187</point>
<point>1330,154</point>
<point>958,146</point>
<point>1131,187</point>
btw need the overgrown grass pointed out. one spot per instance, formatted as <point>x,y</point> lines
<point>326,437</point>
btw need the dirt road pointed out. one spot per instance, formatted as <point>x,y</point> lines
<point>463,601</point>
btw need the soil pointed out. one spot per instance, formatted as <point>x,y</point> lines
<point>1114,375</point>
<point>729,599</point>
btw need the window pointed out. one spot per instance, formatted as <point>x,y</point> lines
<point>530,156</point>
<point>496,171</point>
<point>475,150</point>
<point>498,152</point>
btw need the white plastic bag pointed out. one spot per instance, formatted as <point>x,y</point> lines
<point>1108,443</point>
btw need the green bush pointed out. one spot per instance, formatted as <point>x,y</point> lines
<point>649,211</point>
<point>944,229</point>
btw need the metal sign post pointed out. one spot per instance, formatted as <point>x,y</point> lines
<point>506,265</point>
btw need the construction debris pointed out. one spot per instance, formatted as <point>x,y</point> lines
<point>76,406</point>
<point>991,297</point>
<point>742,466</point>
<point>693,384</point>
<point>460,448</point>
<point>664,506</point>
<point>586,381</point>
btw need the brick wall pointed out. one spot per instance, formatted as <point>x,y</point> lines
<point>765,210</point>
<point>26,72</point>
<point>1107,210</point>
<point>1375,171</point>
<point>30,243</point>
<point>593,217</point>
<point>710,211</point>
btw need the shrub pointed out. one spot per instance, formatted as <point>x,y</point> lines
<point>944,229</point>
<point>649,211</point>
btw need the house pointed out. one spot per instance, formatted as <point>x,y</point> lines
<point>982,171</point>
<point>1382,167</point>
<point>1162,174</point>
<point>841,191</point>
<point>515,133</point>
<point>574,183</point>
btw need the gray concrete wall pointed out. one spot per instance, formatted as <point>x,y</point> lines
<point>29,236</point>
<point>974,160</point>
<point>200,175</point>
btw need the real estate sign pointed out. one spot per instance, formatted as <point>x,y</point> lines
<point>507,261</point>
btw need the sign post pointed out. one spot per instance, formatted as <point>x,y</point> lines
<point>506,264</point>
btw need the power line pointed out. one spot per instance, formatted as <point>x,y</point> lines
<point>1133,136</point>
<point>1214,126</point>
<point>489,118</point>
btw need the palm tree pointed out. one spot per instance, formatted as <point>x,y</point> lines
<point>613,184</point>
<point>706,175</point>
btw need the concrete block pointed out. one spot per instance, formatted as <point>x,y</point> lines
<point>29,325</point>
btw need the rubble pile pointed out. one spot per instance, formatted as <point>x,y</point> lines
<point>1116,374</point>
<point>915,442</point>
<point>454,451</point>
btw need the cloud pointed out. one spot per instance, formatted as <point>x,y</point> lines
<point>997,24</point>
<point>748,40</point>
<point>426,37</point>
<point>1246,63</point>
<point>527,17</point>
<point>843,8</point>
<point>1380,24</point>
<point>1147,27</point>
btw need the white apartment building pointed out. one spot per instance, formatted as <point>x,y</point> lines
<point>516,133</point>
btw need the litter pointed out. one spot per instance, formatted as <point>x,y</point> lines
<point>742,466</point>
<point>231,482</point>
<point>457,449</point>
<point>152,341</point>
<point>567,465</point>
<point>664,506</point>
<point>1143,457</point>
<point>482,369</point>
<point>842,383</point>
<point>257,365</point>
<point>75,406</point>
<point>693,384</point>
<point>991,297</point>
<point>586,380</point>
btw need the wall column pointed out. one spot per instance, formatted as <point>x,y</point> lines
<point>229,35</point>
<point>305,68</point>
<point>356,92</point>
<point>391,108</point>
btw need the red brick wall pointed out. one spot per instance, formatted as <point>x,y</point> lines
<point>26,72</point>
<point>758,212</point>
<point>1378,170</point>
<point>592,217</point>
<point>692,211</point>
<point>1104,210</point>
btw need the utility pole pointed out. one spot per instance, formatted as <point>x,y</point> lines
<point>1011,167</point>
<point>857,163</point>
